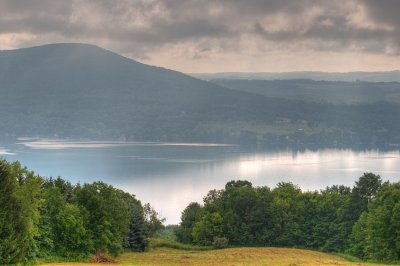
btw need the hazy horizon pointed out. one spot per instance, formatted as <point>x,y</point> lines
<point>218,36</point>
<point>226,72</point>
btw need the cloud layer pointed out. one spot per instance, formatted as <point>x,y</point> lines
<point>201,35</point>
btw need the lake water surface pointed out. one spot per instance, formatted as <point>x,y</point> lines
<point>171,175</point>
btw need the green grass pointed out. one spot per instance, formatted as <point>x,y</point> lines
<point>159,255</point>
<point>56,259</point>
<point>161,243</point>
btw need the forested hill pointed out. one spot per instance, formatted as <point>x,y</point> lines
<point>78,90</point>
<point>83,91</point>
<point>335,92</point>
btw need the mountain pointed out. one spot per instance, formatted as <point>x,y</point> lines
<point>384,76</point>
<point>83,91</point>
<point>86,92</point>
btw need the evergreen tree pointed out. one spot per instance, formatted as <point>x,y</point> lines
<point>136,238</point>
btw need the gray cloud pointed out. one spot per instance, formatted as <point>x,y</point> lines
<point>386,11</point>
<point>31,8</point>
<point>140,27</point>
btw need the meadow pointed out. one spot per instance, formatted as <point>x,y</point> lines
<point>229,257</point>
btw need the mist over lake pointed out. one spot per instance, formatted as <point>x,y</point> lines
<point>171,175</point>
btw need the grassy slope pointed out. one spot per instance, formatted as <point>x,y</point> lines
<point>230,256</point>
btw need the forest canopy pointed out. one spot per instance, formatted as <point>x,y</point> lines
<point>362,221</point>
<point>43,218</point>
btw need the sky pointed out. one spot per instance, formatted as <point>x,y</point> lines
<point>204,36</point>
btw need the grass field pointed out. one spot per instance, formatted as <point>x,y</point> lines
<point>228,257</point>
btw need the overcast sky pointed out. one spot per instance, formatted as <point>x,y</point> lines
<point>218,35</point>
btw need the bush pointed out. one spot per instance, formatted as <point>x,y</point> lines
<point>220,242</point>
<point>102,257</point>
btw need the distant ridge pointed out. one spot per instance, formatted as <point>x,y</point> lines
<point>385,76</point>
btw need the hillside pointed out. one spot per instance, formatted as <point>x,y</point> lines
<point>230,256</point>
<point>77,90</point>
<point>336,92</point>
<point>86,92</point>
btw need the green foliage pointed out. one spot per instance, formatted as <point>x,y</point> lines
<point>153,222</point>
<point>109,216</point>
<point>358,239</point>
<point>190,216</point>
<point>161,243</point>
<point>168,232</point>
<point>136,238</point>
<point>246,212</point>
<point>10,220</point>
<point>376,235</point>
<point>220,242</point>
<point>287,217</point>
<point>51,218</point>
<point>334,219</point>
<point>71,238</point>
<point>205,230</point>
<point>368,185</point>
<point>241,200</point>
<point>62,224</point>
<point>19,213</point>
<point>47,219</point>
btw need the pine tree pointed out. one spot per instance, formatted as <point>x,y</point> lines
<point>135,239</point>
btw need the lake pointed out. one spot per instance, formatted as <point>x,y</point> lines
<point>171,175</point>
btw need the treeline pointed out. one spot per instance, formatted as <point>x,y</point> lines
<point>51,218</point>
<point>363,221</point>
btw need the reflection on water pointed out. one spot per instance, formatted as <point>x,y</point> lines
<point>5,152</point>
<point>170,175</point>
<point>50,144</point>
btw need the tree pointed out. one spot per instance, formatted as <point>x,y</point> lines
<point>208,228</point>
<point>190,216</point>
<point>358,238</point>
<point>136,238</point>
<point>10,220</point>
<point>376,235</point>
<point>238,206</point>
<point>108,215</point>
<point>368,185</point>
<point>71,238</point>
<point>19,213</point>
<point>332,228</point>
<point>287,208</point>
<point>152,220</point>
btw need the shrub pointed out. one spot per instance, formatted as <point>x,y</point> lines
<point>220,242</point>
